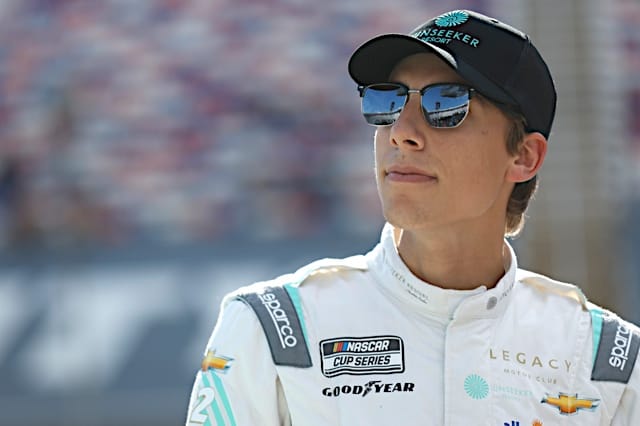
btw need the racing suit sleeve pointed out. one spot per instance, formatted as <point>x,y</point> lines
<point>237,384</point>
<point>628,412</point>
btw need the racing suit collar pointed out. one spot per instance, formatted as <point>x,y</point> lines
<point>425,298</point>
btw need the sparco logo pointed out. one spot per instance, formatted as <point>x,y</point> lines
<point>621,346</point>
<point>374,386</point>
<point>280,320</point>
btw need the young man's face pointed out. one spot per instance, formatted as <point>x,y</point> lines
<point>430,177</point>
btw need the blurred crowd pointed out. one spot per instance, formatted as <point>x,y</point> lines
<point>628,19</point>
<point>175,121</point>
<point>168,121</point>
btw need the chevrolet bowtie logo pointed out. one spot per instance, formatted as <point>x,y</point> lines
<point>570,404</point>
<point>220,363</point>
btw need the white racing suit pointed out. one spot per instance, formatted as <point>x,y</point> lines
<point>362,341</point>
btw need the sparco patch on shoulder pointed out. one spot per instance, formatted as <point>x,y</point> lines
<point>617,350</point>
<point>362,355</point>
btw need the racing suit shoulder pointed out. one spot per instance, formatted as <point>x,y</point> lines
<point>302,275</point>
<point>628,412</point>
<point>329,266</point>
<point>606,327</point>
<point>237,382</point>
<point>548,285</point>
<point>614,350</point>
<point>616,343</point>
<point>615,353</point>
<point>278,307</point>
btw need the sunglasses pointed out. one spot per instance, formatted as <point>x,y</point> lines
<point>444,105</point>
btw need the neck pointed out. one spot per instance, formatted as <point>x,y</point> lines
<point>460,261</point>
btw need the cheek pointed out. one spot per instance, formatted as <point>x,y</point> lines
<point>479,164</point>
<point>381,145</point>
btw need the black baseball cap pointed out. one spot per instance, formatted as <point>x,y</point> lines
<point>498,60</point>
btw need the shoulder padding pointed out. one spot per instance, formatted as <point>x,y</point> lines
<point>329,265</point>
<point>277,306</point>
<point>548,285</point>
<point>616,342</point>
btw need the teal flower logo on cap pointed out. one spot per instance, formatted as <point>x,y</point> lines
<point>451,19</point>
<point>476,387</point>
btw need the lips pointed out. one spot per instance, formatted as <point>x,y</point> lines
<point>405,173</point>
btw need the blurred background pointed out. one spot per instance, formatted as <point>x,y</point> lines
<point>155,154</point>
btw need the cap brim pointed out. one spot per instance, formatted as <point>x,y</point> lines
<point>374,60</point>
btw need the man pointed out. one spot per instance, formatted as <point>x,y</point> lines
<point>436,325</point>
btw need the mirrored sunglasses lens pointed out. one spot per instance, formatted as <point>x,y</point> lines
<point>446,105</point>
<point>382,103</point>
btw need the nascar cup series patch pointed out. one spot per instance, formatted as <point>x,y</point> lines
<point>362,355</point>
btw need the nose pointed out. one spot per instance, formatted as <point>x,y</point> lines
<point>408,130</point>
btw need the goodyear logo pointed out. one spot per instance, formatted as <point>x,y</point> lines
<point>370,388</point>
<point>362,355</point>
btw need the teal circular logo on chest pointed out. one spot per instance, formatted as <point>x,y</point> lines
<point>476,387</point>
<point>451,19</point>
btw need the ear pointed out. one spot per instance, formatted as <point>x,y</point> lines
<point>526,163</point>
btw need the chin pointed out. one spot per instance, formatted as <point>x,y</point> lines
<point>406,218</point>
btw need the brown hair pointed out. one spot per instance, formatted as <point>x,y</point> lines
<point>522,191</point>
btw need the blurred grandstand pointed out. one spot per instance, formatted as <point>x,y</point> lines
<point>156,154</point>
